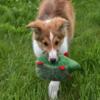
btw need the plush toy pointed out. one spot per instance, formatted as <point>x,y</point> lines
<point>59,71</point>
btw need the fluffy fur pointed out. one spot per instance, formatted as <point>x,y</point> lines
<point>53,31</point>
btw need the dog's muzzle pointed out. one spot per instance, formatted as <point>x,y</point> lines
<point>53,56</point>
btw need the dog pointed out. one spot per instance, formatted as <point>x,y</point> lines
<point>53,32</point>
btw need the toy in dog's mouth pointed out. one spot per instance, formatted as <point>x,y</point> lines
<point>59,71</point>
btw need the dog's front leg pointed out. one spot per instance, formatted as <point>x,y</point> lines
<point>53,89</point>
<point>53,85</point>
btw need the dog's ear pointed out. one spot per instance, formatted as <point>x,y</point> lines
<point>63,27</point>
<point>36,25</point>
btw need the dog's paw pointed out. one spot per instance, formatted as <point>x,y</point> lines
<point>53,90</point>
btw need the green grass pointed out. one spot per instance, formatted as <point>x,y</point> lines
<point>18,80</point>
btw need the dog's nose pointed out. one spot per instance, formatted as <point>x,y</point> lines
<point>53,60</point>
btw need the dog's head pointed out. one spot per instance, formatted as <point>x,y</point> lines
<point>50,34</point>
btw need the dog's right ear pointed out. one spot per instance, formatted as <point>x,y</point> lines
<point>36,25</point>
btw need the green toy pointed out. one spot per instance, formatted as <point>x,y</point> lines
<point>59,71</point>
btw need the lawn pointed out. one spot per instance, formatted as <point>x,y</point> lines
<point>18,80</point>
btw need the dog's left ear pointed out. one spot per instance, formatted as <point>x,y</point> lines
<point>37,25</point>
<point>30,25</point>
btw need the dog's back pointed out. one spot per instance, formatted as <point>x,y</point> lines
<point>58,8</point>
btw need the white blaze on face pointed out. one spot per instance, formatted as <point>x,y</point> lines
<point>53,52</point>
<point>51,37</point>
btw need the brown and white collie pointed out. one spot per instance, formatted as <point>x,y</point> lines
<point>53,31</point>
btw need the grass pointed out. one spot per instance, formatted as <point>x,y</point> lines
<point>18,80</point>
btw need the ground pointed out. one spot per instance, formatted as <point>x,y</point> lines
<point>18,80</point>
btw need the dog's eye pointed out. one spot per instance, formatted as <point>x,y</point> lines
<point>57,42</point>
<point>45,44</point>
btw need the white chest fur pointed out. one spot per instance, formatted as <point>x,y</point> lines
<point>64,46</point>
<point>37,50</point>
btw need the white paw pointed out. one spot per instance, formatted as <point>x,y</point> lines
<point>53,89</point>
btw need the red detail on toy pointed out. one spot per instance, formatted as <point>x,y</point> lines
<point>39,63</point>
<point>62,68</point>
<point>66,54</point>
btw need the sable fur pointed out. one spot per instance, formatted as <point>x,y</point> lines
<point>58,8</point>
<point>50,9</point>
<point>55,17</point>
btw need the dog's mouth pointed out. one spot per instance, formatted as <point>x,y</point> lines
<point>52,59</point>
